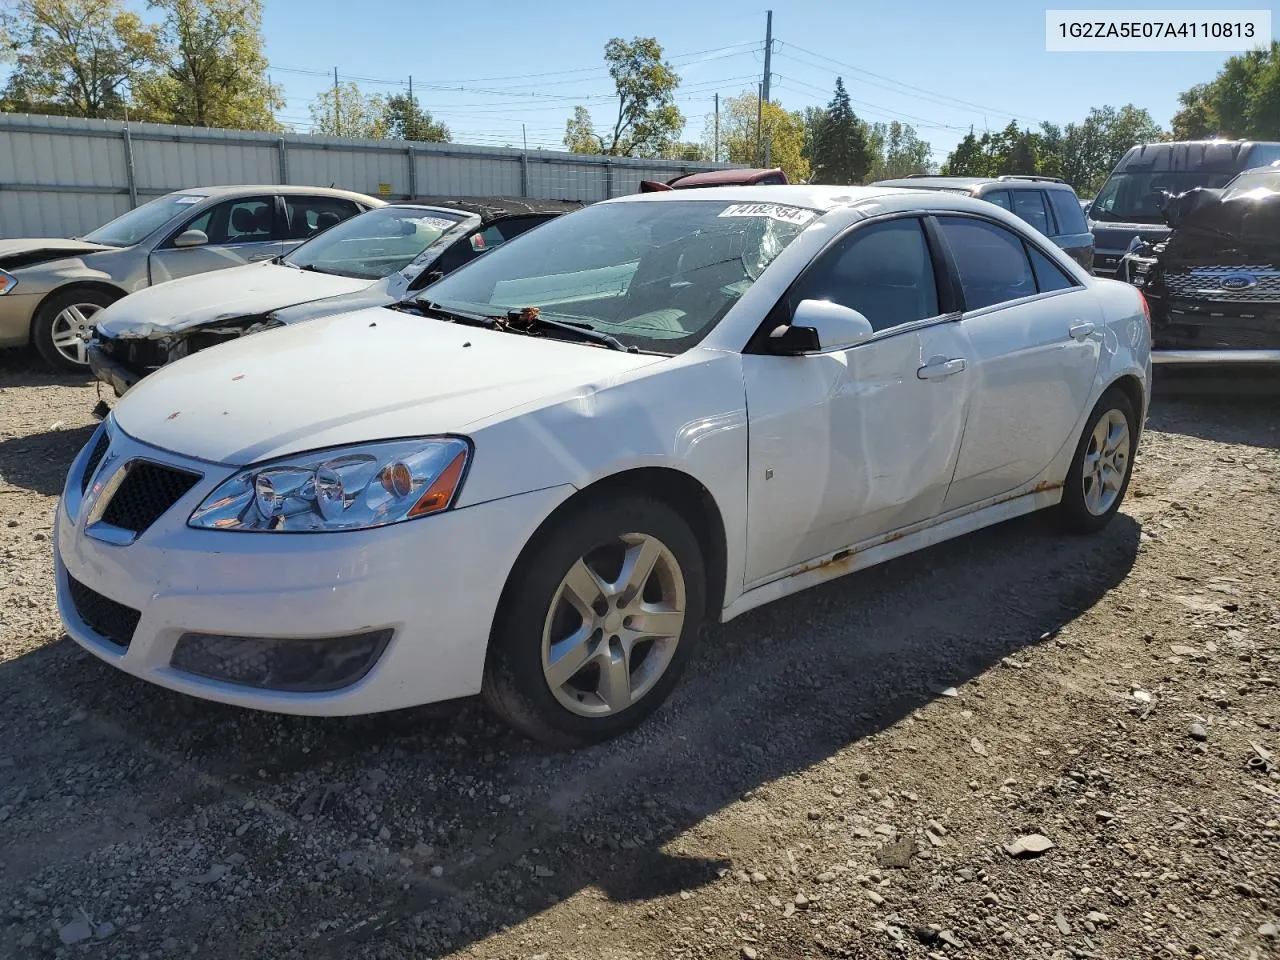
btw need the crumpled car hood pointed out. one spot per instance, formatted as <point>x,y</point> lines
<point>16,254</point>
<point>370,375</point>
<point>205,298</point>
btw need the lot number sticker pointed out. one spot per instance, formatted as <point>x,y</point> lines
<point>774,211</point>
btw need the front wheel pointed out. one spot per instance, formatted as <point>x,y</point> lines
<point>64,326</point>
<point>1100,471</point>
<point>597,623</point>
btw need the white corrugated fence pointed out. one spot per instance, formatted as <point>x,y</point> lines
<point>64,176</point>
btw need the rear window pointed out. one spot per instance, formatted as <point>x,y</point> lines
<point>1070,214</point>
<point>1029,206</point>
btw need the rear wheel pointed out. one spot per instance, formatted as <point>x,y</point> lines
<point>64,325</point>
<point>1103,464</point>
<point>597,623</point>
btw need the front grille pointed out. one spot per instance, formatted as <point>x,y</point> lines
<point>140,353</point>
<point>1204,283</point>
<point>102,615</point>
<point>147,491</point>
<point>95,457</point>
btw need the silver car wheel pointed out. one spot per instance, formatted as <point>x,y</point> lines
<point>614,624</point>
<point>72,329</point>
<point>1106,462</point>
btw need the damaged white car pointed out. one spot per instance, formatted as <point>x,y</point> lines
<point>538,480</point>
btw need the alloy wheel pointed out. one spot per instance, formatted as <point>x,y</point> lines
<point>614,624</point>
<point>72,329</point>
<point>1106,462</point>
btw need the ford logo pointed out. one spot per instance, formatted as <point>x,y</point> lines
<point>1238,281</point>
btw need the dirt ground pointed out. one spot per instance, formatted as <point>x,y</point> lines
<point>838,775</point>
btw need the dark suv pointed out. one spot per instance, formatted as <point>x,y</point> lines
<point>1047,203</point>
<point>1131,202</point>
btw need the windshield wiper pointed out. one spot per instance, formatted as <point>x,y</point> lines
<point>578,328</point>
<point>454,316</point>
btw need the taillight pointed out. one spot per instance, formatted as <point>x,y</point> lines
<point>1146,310</point>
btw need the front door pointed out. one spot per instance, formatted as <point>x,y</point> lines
<point>238,230</point>
<point>847,445</point>
<point>1036,337</point>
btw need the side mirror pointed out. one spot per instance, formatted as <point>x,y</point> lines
<point>191,238</point>
<point>820,325</point>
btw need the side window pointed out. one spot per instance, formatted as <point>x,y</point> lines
<point>1070,215</point>
<point>999,197</point>
<point>307,216</point>
<point>250,220</point>
<point>884,271</point>
<point>1264,155</point>
<point>1028,205</point>
<point>1049,276</point>
<point>990,260</point>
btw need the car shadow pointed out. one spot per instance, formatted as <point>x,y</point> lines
<point>21,367</point>
<point>1240,416</point>
<point>39,461</point>
<point>770,694</point>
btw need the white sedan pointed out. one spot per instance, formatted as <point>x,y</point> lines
<point>538,482</point>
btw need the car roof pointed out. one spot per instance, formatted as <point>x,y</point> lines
<point>234,189</point>
<point>1015,181</point>
<point>489,209</point>
<point>814,196</point>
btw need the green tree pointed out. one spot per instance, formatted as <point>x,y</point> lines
<point>896,151</point>
<point>687,151</point>
<point>75,57</point>
<point>647,121</point>
<point>1242,101</point>
<point>968,159</point>
<point>841,154</point>
<point>406,120</point>
<point>349,112</point>
<point>742,140</point>
<point>210,67</point>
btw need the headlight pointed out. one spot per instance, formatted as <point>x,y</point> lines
<point>342,488</point>
<point>7,282</point>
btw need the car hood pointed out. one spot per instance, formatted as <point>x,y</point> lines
<point>1240,230</point>
<point>370,375</point>
<point>16,254</point>
<point>1116,236</point>
<point>219,295</point>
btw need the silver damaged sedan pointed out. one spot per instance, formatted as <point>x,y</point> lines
<point>51,289</point>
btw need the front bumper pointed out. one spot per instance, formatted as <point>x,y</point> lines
<point>16,311</point>
<point>434,583</point>
<point>110,371</point>
<point>1214,358</point>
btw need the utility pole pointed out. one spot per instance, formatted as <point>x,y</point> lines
<point>764,87</point>
<point>715,155</point>
<point>524,135</point>
<point>337,105</point>
<point>759,116</point>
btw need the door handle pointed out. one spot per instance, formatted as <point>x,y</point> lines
<point>938,368</point>
<point>1082,329</point>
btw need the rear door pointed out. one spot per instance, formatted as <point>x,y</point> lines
<point>1072,233</point>
<point>305,216</point>
<point>239,230</point>
<point>1035,337</point>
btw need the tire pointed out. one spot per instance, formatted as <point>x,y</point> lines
<point>1084,509</point>
<point>59,318</point>
<point>539,632</point>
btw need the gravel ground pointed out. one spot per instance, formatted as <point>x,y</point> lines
<point>1020,744</point>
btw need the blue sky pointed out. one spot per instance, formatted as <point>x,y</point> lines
<point>991,55</point>
<point>485,68</point>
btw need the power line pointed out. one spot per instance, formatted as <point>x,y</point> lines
<point>922,121</point>
<point>937,97</point>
